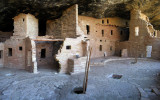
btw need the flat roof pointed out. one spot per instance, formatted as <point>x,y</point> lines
<point>48,39</point>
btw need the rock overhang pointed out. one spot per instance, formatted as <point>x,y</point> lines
<point>52,9</point>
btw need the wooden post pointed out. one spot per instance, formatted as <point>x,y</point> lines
<point>84,81</point>
<point>86,71</point>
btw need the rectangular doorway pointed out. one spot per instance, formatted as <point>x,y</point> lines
<point>43,53</point>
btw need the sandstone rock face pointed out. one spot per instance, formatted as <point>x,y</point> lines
<point>52,9</point>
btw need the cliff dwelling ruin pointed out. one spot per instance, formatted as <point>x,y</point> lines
<point>71,35</point>
<point>61,45</point>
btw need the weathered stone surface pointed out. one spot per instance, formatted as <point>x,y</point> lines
<point>104,33</point>
<point>52,9</point>
<point>77,65</point>
<point>124,53</point>
<point>143,40</point>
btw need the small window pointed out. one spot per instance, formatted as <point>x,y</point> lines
<point>102,21</point>
<point>121,32</point>
<point>43,53</point>
<point>0,54</point>
<point>23,19</point>
<point>20,48</point>
<point>102,33</point>
<point>107,21</point>
<point>100,40</point>
<point>110,48</point>
<point>68,47</point>
<point>111,32</point>
<point>88,29</point>
<point>100,48</point>
<point>9,51</point>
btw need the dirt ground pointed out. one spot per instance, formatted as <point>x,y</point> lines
<point>137,82</point>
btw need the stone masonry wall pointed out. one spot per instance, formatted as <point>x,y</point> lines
<point>25,25</point>
<point>19,45</point>
<point>32,26</point>
<point>5,35</point>
<point>17,59</point>
<point>142,34</point>
<point>71,47</point>
<point>107,41</point>
<point>20,25</point>
<point>65,26</point>
<point>48,60</point>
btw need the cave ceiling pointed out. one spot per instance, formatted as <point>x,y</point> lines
<point>52,9</point>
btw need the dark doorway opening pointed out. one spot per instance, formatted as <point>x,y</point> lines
<point>102,21</point>
<point>46,52</point>
<point>42,27</point>
<point>9,51</point>
<point>43,53</point>
<point>102,33</point>
<point>1,54</point>
<point>127,34</point>
<point>100,48</point>
<point>111,32</point>
<point>107,21</point>
<point>88,29</point>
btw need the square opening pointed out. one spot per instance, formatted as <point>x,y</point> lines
<point>43,53</point>
<point>20,48</point>
<point>68,47</point>
<point>9,51</point>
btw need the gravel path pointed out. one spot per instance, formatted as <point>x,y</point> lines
<point>48,85</point>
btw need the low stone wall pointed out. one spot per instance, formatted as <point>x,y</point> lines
<point>77,65</point>
<point>70,48</point>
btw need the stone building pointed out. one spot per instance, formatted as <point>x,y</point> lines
<point>64,46</point>
<point>104,33</point>
<point>144,40</point>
